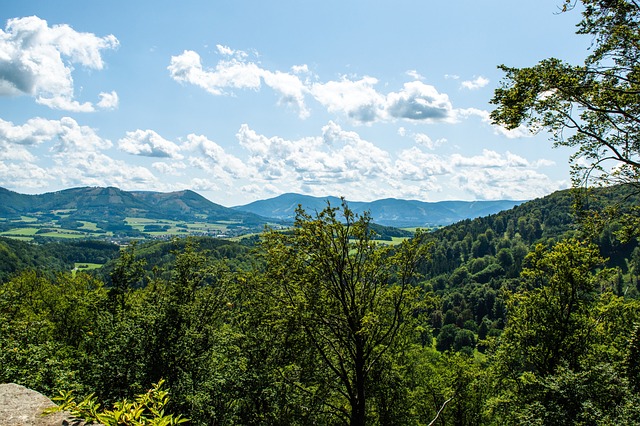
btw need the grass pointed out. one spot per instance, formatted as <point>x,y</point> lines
<point>27,219</point>
<point>22,232</point>
<point>176,227</point>
<point>88,226</point>
<point>64,234</point>
<point>85,266</point>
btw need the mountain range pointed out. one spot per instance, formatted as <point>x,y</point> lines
<point>387,212</point>
<point>98,203</point>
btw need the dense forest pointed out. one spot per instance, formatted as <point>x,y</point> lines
<point>529,316</point>
<point>509,318</point>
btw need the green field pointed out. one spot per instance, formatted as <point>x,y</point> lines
<point>21,232</point>
<point>85,266</point>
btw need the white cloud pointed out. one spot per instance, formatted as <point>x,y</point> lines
<point>174,169</point>
<point>37,60</point>
<point>108,100</point>
<point>490,159</point>
<point>475,84</point>
<point>148,143</point>
<point>187,68</point>
<point>199,184</point>
<point>416,165</point>
<point>33,132</point>
<point>66,134</point>
<point>98,169</point>
<point>224,50</point>
<point>505,183</point>
<point>422,102</point>
<point>358,99</point>
<point>415,75</point>
<point>521,131</point>
<point>24,175</point>
<point>355,98</point>
<point>220,163</point>
<point>237,73</point>
<point>290,88</point>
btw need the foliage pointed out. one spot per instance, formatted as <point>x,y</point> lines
<point>352,297</point>
<point>146,409</point>
<point>595,106</point>
<point>561,358</point>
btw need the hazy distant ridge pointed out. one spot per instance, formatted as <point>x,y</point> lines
<point>388,212</point>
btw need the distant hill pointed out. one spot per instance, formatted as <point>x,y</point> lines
<point>111,213</point>
<point>388,212</point>
<point>92,203</point>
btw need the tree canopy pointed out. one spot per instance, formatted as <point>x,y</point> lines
<point>593,107</point>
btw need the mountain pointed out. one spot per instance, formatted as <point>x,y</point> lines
<point>112,204</point>
<point>388,212</point>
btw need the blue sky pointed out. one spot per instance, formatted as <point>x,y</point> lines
<point>243,100</point>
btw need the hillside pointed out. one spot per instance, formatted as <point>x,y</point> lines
<point>95,202</point>
<point>98,212</point>
<point>388,212</point>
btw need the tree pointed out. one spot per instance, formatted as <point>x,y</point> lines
<point>127,273</point>
<point>551,323</point>
<point>352,297</point>
<point>594,107</point>
<point>565,356</point>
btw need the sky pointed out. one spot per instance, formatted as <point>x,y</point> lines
<point>242,100</point>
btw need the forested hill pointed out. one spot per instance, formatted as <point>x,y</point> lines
<point>388,212</point>
<point>97,203</point>
<point>513,232</point>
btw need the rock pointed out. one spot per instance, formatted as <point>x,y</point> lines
<point>20,406</point>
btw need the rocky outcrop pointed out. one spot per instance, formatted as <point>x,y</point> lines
<point>20,406</point>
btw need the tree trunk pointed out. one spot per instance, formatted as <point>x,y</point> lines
<point>358,403</point>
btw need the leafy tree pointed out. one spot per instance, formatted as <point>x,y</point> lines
<point>126,275</point>
<point>551,323</point>
<point>564,354</point>
<point>352,297</point>
<point>594,107</point>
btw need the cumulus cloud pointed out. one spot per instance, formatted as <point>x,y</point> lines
<point>238,73</point>
<point>174,169</point>
<point>353,97</point>
<point>505,183</point>
<point>108,100</point>
<point>357,99</point>
<point>422,139</point>
<point>416,165</point>
<point>78,154</point>
<point>220,163</point>
<point>475,84</point>
<point>519,132</point>
<point>419,101</point>
<point>37,60</point>
<point>415,75</point>
<point>148,143</point>
<point>99,169</point>
<point>66,135</point>
<point>490,159</point>
<point>24,175</point>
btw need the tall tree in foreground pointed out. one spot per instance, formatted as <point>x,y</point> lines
<point>352,297</point>
<point>594,107</point>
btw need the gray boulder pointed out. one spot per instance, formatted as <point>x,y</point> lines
<point>20,406</point>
